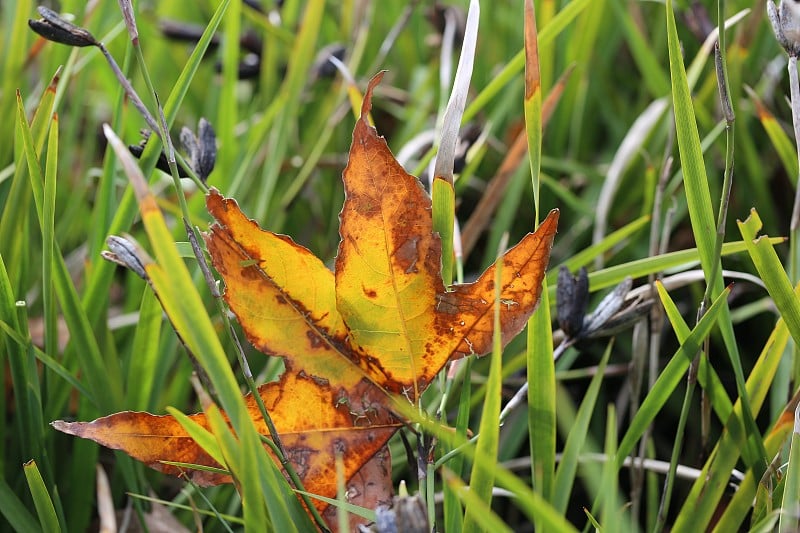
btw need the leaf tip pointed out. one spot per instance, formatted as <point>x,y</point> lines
<point>366,104</point>
<point>551,222</point>
<point>65,427</point>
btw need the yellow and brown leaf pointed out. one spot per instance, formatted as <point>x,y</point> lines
<point>375,332</point>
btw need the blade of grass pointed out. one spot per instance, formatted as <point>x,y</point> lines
<point>144,353</point>
<point>610,513</point>
<point>236,455</point>
<point>568,466</point>
<point>103,380</point>
<point>780,140</point>
<point>541,375</point>
<point>203,437</point>
<point>529,502</point>
<point>483,518</point>
<point>48,241</point>
<point>482,478</point>
<point>700,210</point>
<point>742,502</point>
<point>183,305</point>
<point>703,498</point>
<point>41,498</point>
<point>453,512</point>
<point>790,515</point>
<point>639,268</point>
<point>443,214</point>
<point>13,60</point>
<point>14,213</point>
<point>541,378</point>
<point>669,379</point>
<point>23,374</point>
<point>772,272</point>
<point>227,112</point>
<point>14,511</point>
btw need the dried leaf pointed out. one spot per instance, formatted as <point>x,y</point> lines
<point>355,342</point>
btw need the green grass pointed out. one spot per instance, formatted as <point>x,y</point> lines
<point>81,338</point>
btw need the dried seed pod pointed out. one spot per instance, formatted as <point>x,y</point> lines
<point>201,148</point>
<point>54,28</point>
<point>785,21</point>
<point>572,298</point>
<point>127,253</point>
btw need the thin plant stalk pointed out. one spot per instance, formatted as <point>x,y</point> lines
<point>669,482</point>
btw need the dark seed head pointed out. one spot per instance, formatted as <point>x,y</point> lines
<point>572,298</point>
<point>54,28</point>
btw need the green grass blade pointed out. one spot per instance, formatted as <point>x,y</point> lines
<point>772,272</point>
<point>227,116</point>
<point>541,376</point>
<point>48,241</point>
<point>41,499</point>
<point>701,503</point>
<point>698,197</point>
<point>640,268</point>
<point>183,305</point>
<point>482,479</point>
<point>669,378</point>
<point>540,365</point>
<point>777,135</point>
<point>204,438</point>
<point>532,103</point>
<point>610,514</point>
<point>15,49</point>
<point>443,209</point>
<point>367,514</point>
<point>14,213</point>
<point>144,353</point>
<point>706,375</point>
<point>102,380</point>
<point>482,517</point>
<point>790,515</point>
<point>691,153</point>
<point>14,511</point>
<point>741,504</point>
<point>529,502</point>
<point>568,466</point>
<point>453,512</point>
<point>236,455</point>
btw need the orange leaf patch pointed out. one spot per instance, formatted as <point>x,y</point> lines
<point>354,342</point>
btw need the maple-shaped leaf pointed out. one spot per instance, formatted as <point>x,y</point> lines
<point>354,342</point>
